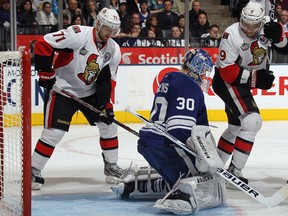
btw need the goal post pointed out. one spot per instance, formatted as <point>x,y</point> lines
<point>15,133</point>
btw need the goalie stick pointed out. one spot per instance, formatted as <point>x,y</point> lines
<point>92,108</point>
<point>271,201</point>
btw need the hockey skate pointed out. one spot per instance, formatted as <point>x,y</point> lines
<point>37,179</point>
<point>112,172</point>
<point>236,172</point>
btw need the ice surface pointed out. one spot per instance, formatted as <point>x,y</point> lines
<point>75,183</point>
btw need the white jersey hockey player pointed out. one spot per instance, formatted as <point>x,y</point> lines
<point>86,66</point>
<point>241,66</point>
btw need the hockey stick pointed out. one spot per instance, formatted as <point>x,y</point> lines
<point>92,108</point>
<point>271,201</point>
<point>272,17</point>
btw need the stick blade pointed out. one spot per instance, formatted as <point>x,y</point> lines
<point>279,196</point>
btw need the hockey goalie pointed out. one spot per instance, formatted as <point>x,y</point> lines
<point>182,182</point>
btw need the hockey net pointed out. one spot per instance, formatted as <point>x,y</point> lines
<point>15,133</point>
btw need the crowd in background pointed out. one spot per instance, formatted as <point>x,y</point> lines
<point>143,22</point>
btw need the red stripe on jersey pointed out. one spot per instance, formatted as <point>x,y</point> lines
<point>51,109</point>
<point>240,99</point>
<point>229,73</point>
<point>44,149</point>
<point>113,85</point>
<point>243,146</point>
<point>109,144</point>
<point>63,59</point>
<point>225,146</point>
<point>43,48</point>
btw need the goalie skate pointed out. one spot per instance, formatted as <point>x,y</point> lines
<point>37,179</point>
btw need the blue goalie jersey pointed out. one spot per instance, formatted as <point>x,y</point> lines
<point>178,105</point>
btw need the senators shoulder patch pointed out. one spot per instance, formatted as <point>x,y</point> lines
<point>225,35</point>
<point>76,29</point>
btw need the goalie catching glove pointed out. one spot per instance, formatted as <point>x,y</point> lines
<point>46,78</point>
<point>107,114</point>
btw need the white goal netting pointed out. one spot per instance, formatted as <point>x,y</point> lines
<point>12,132</point>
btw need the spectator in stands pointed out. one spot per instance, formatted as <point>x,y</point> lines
<point>76,19</point>
<point>200,27</point>
<point>284,4</point>
<point>135,19</point>
<point>179,6</point>
<point>5,13</point>
<point>149,41</point>
<point>151,24</point>
<point>284,20</point>
<point>181,24</point>
<point>175,40</point>
<point>46,16</point>
<point>113,4</point>
<point>125,17</point>
<point>102,3</point>
<point>194,13</point>
<point>26,15</point>
<point>278,57</point>
<point>167,18</point>
<point>144,13</point>
<point>91,14</point>
<point>236,10</point>
<point>212,38</point>
<point>133,6</point>
<point>133,36</point>
<point>65,21</point>
<point>278,10</point>
<point>37,5</point>
<point>156,6</point>
<point>73,8</point>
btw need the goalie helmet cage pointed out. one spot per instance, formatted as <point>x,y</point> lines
<point>15,133</point>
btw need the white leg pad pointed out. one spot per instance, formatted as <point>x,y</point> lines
<point>203,144</point>
<point>205,192</point>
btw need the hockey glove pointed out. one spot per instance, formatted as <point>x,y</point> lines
<point>107,114</point>
<point>46,79</point>
<point>261,79</point>
<point>274,31</point>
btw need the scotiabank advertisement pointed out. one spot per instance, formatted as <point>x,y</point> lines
<point>158,56</point>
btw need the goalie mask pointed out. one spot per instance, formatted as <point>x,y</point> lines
<point>108,24</point>
<point>252,18</point>
<point>199,64</point>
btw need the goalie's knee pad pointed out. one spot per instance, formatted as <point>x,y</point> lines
<point>142,183</point>
<point>251,122</point>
